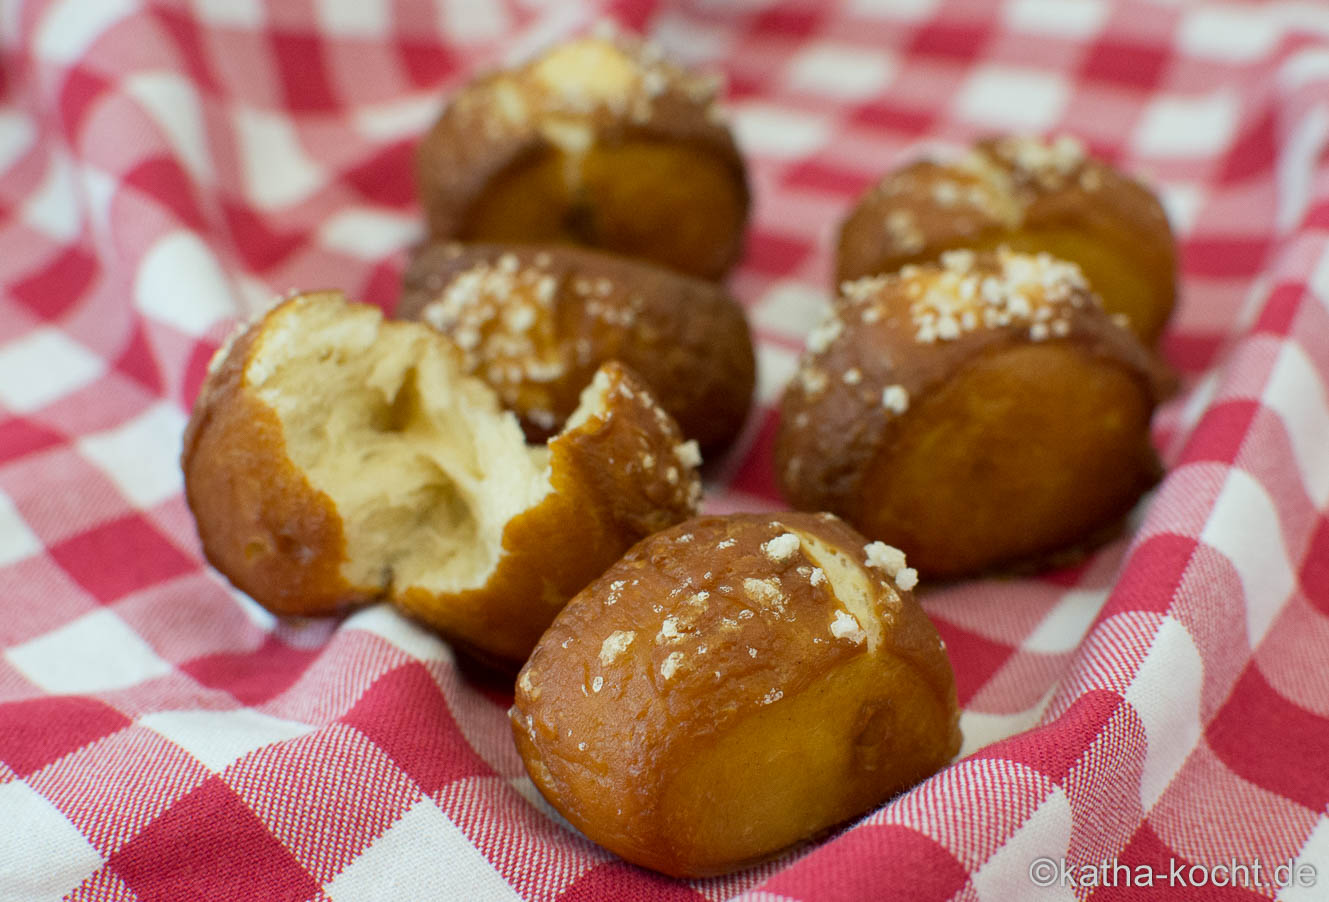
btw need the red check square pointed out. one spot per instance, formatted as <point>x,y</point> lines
<point>36,732</point>
<point>59,284</point>
<point>209,845</point>
<point>253,677</point>
<point>120,557</point>
<point>1131,64</point>
<point>1292,764</point>
<point>406,716</point>
<point>19,437</point>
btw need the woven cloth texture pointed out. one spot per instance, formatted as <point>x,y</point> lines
<point>167,167</point>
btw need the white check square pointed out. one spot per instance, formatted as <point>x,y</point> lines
<point>1231,35</point>
<point>233,13</point>
<point>95,653</point>
<point>174,261</point>
<point>778,132</point>
<point>43,855</point>
<point>17,541</point>
<point>424,855</point>
<point>1186,126</point>
<point>42,367</point>
<point>841,71</point>
<point>220,738</point>
<point>1062,18</point>
<point>141,456</point>
<point>1014,99</point>
<point>357,18</point>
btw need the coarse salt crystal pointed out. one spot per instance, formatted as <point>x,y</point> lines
<point>782,547</point>
<point>671,664</point>
<point>885,557</point>
<point>688,453</point>
<point>907,578</point>
<point>614,645</point>
<point>846,626</point>
<point>825,335</point>
<point>763,591</point>
<point>895,398</point>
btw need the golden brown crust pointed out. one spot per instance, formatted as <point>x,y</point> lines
<point>260,521</point>
<point>1030,196</point>
<point>893,342</point>
<point>598,142</point>
<point>617,477</point>
<point>620,472</point>
<point>536,321</point>
<point>704,636</point>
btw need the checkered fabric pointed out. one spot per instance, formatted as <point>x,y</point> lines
<point>168,166</point>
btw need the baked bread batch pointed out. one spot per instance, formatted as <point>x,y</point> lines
<point>513,460</point>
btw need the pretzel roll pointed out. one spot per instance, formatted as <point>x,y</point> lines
<point>732,686</point>
<point>333,458</point>
<point>600,142</point>
<point>976,414</point>
<point>1029,196</point>
<point>535,322</point>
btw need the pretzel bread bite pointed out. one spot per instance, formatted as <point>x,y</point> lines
<point>535,322</point>
<point>732,686</point>
<point>1028,195</point>
<point>600,142</point>
<point>333,458</point>
<point>976,414</point>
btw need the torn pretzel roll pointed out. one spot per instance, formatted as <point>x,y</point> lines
<point>334,458</point>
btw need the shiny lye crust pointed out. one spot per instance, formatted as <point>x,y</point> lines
<point>536,321</point>
<point>732,686</point>
<point>893,345</point>
<point>599,141</point>
<point>409,483</point>
<point>1029,195</point>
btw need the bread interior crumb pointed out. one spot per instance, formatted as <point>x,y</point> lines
<point>848,583</point>
<point>420,460</point>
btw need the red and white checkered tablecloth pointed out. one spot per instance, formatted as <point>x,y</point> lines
<point>168,166</point>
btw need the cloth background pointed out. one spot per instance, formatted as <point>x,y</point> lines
<point>166,167</point>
